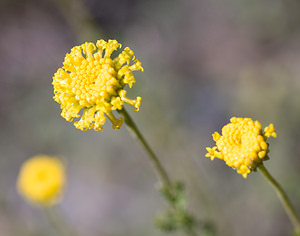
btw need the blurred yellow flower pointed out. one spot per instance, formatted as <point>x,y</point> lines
<point>242,144</point>
<point>92,82</point>
<point>41,180</point>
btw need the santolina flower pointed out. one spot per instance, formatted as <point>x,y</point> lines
<point>242,144</point>
<point>91,84</point>
<point>41,180</point>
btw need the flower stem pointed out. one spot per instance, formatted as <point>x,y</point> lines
<point>168,187</point>
<point>159,169</point>
<point>57,222</point>
<point>283,198</point>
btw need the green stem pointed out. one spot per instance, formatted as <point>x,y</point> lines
<point>160,171</point>
<point>283,198</point>
<point>57,221</point>
<point>158,168</point>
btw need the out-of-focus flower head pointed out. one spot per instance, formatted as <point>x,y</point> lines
<point>41,180</point>
<point>242,144</point>
<point>91,84</point>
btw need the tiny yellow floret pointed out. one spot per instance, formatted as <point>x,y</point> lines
<point>90,85</point>
<point>242,144</point>
<point>270,131</point>
<point>41,180</point>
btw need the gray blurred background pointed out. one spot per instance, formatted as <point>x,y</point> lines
<point>205,61</point>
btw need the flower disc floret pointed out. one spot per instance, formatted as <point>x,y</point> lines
<point>41,180</point>
<point>90,85</point>
<point>242,144</point>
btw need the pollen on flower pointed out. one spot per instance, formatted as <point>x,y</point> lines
<point>90,85</point>
<point>41,180</point>
<point>242,144</point>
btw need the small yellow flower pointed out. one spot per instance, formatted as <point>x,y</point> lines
<point>242,144</point>
<point>211,152</point>
<point>91,82</point>
<point>270,131</point>
<point>41,180</point>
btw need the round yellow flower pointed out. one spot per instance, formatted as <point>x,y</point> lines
<point>242,144</point>
<point>41,180</point>
<point>92,82</point>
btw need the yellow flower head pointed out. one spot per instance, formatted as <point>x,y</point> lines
<point>92,82</point>
<point>41,180</point>
<point>242,144</point>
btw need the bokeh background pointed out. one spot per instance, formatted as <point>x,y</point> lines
<point>205,61</point>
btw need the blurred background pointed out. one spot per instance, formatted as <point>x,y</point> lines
<point>205,61</point>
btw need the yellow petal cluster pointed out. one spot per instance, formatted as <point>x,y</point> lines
<point>41,180</point>
<point>90,85</point>
<point>242,144</point>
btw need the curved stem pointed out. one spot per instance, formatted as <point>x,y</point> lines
<point>159,169</point>
<point>283,198</point>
